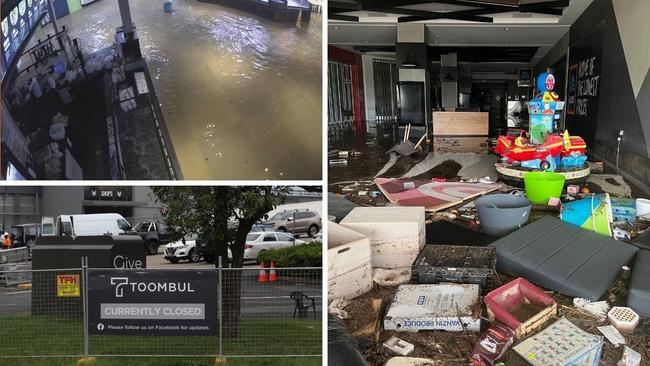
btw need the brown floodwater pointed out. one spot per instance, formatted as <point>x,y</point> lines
<point>241,94</point>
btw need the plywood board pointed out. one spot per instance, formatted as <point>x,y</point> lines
<point>453,144</point>
<point>460,124</point>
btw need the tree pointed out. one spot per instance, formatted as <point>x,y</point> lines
<point>223,215</point>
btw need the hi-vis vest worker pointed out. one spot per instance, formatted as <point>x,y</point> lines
<point>6,242</point>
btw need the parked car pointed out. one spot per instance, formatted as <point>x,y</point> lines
<point>154,235</point>
<point>257,243</point>
<point>297,222</point>
<point>184,249</point>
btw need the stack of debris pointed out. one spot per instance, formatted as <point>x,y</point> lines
<point>565,281</point>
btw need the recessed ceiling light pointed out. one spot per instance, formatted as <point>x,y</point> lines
<point>335,27</point>
<point>437,36</point>
<point>365,41</point>
<point>507,28</point>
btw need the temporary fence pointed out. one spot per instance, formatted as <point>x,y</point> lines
<point>212,312</point>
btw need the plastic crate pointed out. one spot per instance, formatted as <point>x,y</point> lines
<point>458,264</point>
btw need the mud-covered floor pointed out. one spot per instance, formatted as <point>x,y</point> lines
<point>454,348</point>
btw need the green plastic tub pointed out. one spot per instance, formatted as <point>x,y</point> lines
<point>541,186</point>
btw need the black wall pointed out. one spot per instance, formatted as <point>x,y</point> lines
<point>610,106</point>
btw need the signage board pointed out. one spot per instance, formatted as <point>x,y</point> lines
<point>68,285</point>
<point>167,303</point>
<point>108,193</point>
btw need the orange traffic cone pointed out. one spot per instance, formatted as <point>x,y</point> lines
<point>272,275</point>
<point>262,277</point>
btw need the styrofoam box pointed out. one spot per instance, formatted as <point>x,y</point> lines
<point>348,263</point>
<point>397,234</point>
<point>447,306</point>
<point>412,361</point>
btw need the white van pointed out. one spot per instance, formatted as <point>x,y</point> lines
<point>91,224</point>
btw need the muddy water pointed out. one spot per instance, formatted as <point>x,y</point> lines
<point>372,144</point>
<point>241,94</point>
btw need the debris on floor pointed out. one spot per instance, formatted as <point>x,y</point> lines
<point>450,307</point>
<point>434,196</point>
<point>545,261</point>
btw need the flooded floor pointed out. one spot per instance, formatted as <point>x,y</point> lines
<point>241,94</point>
<point>370,145</point>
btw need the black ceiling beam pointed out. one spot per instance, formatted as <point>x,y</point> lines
<point>348,18</point>
<point>473,15</point>
<point>540,8</point>
<point>343,7</point>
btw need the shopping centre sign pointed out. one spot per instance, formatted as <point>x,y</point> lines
<point>152,302</point>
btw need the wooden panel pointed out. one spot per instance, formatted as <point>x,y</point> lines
<point>460,123</point>
<point>454,144</point>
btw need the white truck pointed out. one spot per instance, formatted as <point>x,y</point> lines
<point>91,224</point>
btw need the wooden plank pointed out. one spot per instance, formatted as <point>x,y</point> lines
<point>460,123</point>
<point>442,145</point>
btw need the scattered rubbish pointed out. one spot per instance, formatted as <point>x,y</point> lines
<point>336,307</point>
<point>626,272</point>
<point>623,318</point>
<point>520,305</point>
<point>349,268</point>
<point>596,308</point>
<point>501,214</point>
<point>638,297</point>
<point>596,167</point>
<point>643,208</point>
<point>397,234</point>
<point>458,264</point>
<point>592,213</point>
<point>623,209</point>
<point>362,193</point>
<point>585,190</point>
<point>541,186</point>
<point>563,258</point>
<point>412,361</point>
<point>343,154</point>
<point>399,346</point>
<point>554,201</point>
<point>612,184</point>
<point>562,343</point>
<point>572,189</point>
<point>338,162</point>
<point>492,345</point>
<point>630,358</point>
<point>375,194</point>
<point>434,196</point>
<point>612,335</point>
<point>390,277</point>
<point>450,307</point>
<point>620,234</point>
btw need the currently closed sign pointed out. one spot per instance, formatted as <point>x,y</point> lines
<point>68,285</point>
<point>152,302</point>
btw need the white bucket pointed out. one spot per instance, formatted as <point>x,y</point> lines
<point>643,208</point>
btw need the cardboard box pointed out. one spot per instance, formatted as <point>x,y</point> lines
<point>348,263</point>
<point>397,234</point>
<point>450,307</point>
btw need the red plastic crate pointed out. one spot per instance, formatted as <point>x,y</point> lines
<point>505,300</point>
